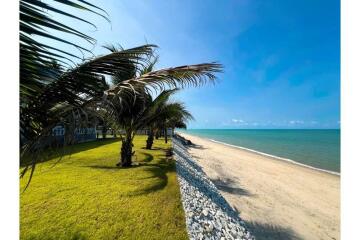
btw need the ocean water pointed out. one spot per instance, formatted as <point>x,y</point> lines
<point>314,148</point>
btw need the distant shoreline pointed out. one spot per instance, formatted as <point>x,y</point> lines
<point>273,156</point>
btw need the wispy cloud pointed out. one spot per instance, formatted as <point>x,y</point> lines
<point>237,120</point>
<point>295,122</point>
<point>292,124</point>
<point>241,122</point>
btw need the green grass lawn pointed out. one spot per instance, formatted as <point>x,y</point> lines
<point>85,196</point>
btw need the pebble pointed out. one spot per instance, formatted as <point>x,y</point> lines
<point>205,212</point>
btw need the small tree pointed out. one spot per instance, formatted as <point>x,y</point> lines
<point>167,115</point>
<point>158,111</point>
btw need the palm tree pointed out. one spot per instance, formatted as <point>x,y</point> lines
<point>67,97</point>
<point>67,93</point>
<point>52,88</point>
<point>60,93</point>
<point>157,113</point>
<point>165,115</point>
<point>176,119</point>
<point>129,103</point>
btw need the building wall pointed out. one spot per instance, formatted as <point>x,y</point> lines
<point>81,134</point>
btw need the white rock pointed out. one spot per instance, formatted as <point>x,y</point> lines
<point>206,211</point>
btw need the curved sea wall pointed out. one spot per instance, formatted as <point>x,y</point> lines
<point>208,215</point>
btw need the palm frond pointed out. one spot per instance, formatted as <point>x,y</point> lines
<point>35,56</point>
<point>177,77</point>
<point>70,91</point>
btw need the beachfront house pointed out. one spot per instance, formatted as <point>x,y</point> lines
<point>81,134</point>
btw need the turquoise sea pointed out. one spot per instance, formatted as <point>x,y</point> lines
<point>315,148</point>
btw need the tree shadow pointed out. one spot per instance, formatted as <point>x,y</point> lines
<point>225,185</point>
<point>80,147</point>
<point>158,171</point>
<point>187,169</point>
<point>135,164</point>
<point>148,157</point>
<point>186,156</point>
<point>52,153</point>
<point>154,148</point>
<point>187,143</point>
<point>263,231</point>
<point>196,146</point>
<point>107,167</point>
<point>169,153</point>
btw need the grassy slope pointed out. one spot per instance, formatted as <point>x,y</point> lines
<point>86,197</point>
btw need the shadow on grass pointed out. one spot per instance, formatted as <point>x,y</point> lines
<point>148,157</point>
<point>105,167</point>
<point>263,231</point>
<point>79,147</point>
<point>158,171</point>
<point>59,152</point>
<point>154,148</point>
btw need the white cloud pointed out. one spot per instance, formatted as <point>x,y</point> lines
<point>293,122</point>
<point>237,120</point>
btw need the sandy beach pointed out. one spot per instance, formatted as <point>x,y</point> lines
<point>277,199</point>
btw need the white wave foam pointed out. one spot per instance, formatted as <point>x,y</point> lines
<point>276,157</point>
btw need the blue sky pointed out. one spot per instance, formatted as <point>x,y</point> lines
<point>281,58</point>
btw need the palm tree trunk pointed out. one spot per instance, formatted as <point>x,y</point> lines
<point>126,151</point>
<point>166,136</point>
<point>104,131</point>
<point>150,139</point>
